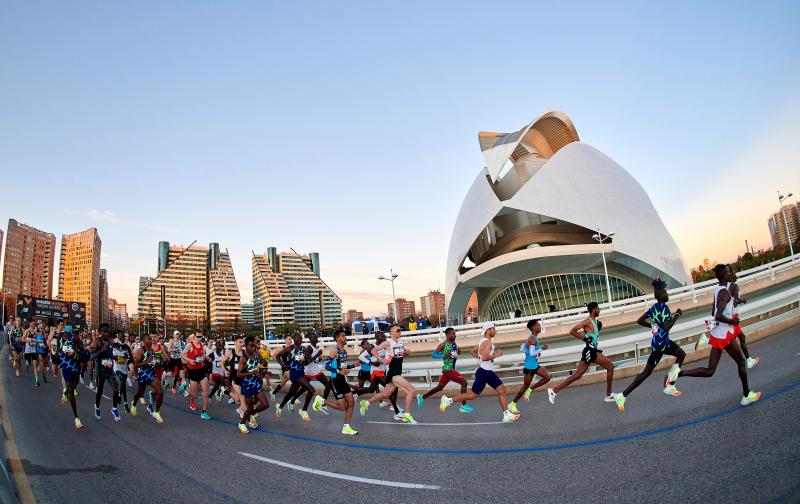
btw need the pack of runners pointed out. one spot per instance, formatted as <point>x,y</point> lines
<point>204,370</point>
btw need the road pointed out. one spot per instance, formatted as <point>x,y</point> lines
<point>701,447</point>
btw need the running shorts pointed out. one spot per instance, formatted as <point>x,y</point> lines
<point>390,374</point>
<point>55,359</point>
<point>196,375</point>
<point>175,365</point>
<point>251,388</point>
<point>376,374</point>
<point>485,377</point>
<point>296,374</point>
<point>364,376</point>
<point>69,376</point>
<point>17,347</point>
<point>655,356</point>
<point>104,374</point>
<point>589,354</point>
<point>340,387</point>
<point>145,376</point>
<point>530,371</point>
<point>737,329</point>
<point>30,357</point>
<point>449,376</point>
<point>721,343</point>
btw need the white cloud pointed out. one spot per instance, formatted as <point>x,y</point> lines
<point>109,217</point>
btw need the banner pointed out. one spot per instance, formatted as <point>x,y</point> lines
<point>51,310</point>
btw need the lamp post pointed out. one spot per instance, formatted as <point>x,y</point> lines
<point>260,300</point>
<point>391,278</point>
<point>601,238</point>
<point>5,291</point>
<point>786,223</point>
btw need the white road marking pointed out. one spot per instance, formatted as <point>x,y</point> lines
<point>436,424</point>
<point>357,479</point>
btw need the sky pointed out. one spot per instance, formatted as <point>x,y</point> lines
<point>350,129</point>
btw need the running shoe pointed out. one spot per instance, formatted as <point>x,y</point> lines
<point>158,418</point>
<point>346,429</point>
<point>82,382</point>
<point>272,395</point>
<point>512,407</point>
<point>609,398</point>
<point>186,394</point>
<point>318,402</point>
<point>63,399</point>
<point>671,390</point>
<point>278,411</point>
<point>672,376</point>
<point>219,398</point>
<point>752,361</point>
<point>363,406</point>
<point>92,387</point>
<point>444,403</point>
<point>36,383</point>
<point>192,406</point>
<point>304,416</point>
<point>420,401</point>
<point>182,388</point>
<point>325,410</point>
<point>115,412</point>
<point>142,401</point>
<point>527,395</point>
<point>291,407</point>
<point>75,392</point>
<point>297,401</point>
<point>702,342</point>
<point>78,424</point>
<point>243,428</point>
<point>97,413</point>
<point>127,408</point>
<point>465,408</point>
<point>150,409</point>
<point>252,423</point>
<point>398,416</point>
<point>231,400</point>
<point>133,410</point>
<point>619,398</point>
<point>751,398</point>
<point>551,396</point>
<point>383,404</point>
<point>508,416</point>
<point>407,418</point>
<point>205,416</point>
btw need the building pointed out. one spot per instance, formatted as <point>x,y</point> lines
<point>777,225</point>
<point>353,315</point>
<point>105,311</point>
<point>144,281</point>
<point>405,309</point>
<point>118,318</point>
<point>28,268</point>
<point>471,313</point>
<point>708,265</point>
<point>248,315</point>
<point>79,272</point>
<point>433,306</point>
<point>289,289</point>
<point>527,236</point>
<point>198,284</point>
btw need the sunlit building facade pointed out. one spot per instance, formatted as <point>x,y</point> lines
<point>79,273</point>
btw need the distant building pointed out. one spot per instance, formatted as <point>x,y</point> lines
<point>353,315</point>
<point>433,305</point>
<point>471,313</point>
<point>248,314</point>
<point>144,281</point>
<point>105,310</point>
<point>79,272</point>
<point>288,288</point>
<point>29,257</point>
<point>777,225</point>
<point>119,320</point>
<point>405,309</point>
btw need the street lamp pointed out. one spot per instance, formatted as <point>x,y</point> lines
<point>6,291</point>
<point>263,322</point>
<point>600,238</point>
<point>391,278</point>
<point>786,223</point>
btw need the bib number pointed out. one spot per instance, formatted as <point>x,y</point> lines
<point>107,363</point>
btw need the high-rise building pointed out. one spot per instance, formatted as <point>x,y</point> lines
<point>79,272</point>
<point>119,320</point>
<point>777,225</point>
<point>288,287</point>
<point>471,313</point>
<point>144,281</point>
<point>405,309</point>
<point>248,316</point>
<point>198,283</point>
<point>28,267</point>
<point>353,315</point>
<point>433,305</point>
<point>105,311</point>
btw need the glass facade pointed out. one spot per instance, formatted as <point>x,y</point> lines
<point>571,290</point>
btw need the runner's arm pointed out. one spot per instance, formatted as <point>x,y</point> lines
<point>580,327</point>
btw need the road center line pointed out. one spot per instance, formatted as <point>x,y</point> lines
<point>358,479</point>
<point>436,424</point>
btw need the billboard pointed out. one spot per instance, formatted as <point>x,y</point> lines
<point>50,310</point>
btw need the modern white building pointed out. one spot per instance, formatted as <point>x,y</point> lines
<point>527,234</point>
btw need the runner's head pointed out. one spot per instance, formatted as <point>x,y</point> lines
<point>450,334</point>
<point>238,343</point>
<point>60,325</point>
<point>394,331</point>
<point>534,326</point>
<point>721,272</point>
<point>105,329</point>
<point>732,273</point>
<point>313,338</point>
<point>661,295</point>
<point>365,343</point>
<point>593,308</point>
<point>250,344</point>
<point>147,339</point>
<point>488,329</point>
<point>297,338</point>
<point>32,324</point>
<point>176,335</point>
<point>340,337</point>
<point>219,344</point>
<point>380,337</point>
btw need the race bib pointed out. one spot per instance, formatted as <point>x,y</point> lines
<point>107,363</point>
<point>67,349</point>
<point>198,360</point>
<point>654,329</point>
<point>120,359</point>
<point>299,357</point>
<point>454,354</point>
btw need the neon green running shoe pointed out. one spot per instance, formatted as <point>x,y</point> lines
<point>363,406</point>
<point>78,423</point>
<point>671,390</point>
<point>620,400</point>
<point>512,407</point>
<point>243,428</point>
<point>527,395</point>
<point>158,418</point>
<point>444,403</point>
<point>133,410</point>
<point>318,402</point>
<point>407,418</point>
<point>304,416</point>
<point>349,430</point>
<point>751,398</point>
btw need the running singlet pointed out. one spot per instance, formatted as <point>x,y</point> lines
<point>251,383</point>
<point>487,365</point>
<point>531,354</point>
<point>340,362</point>
<point>377,364</point>
<point>215,365</point>
<point>105,358</point>
<point>68,354</point>
<point>263,358</point>
<point>196,356</point>
<point>364,360</point>
<point>146,372</point>
<point>721,329</point>
<point>175,350</point>
<point>41,343</point>
<point>592,337</point>
<point>16,343</point>
<point>313,368</point>
<point>450,356</point>
<point>30,347</point>
<point>298,361</point>
<point>659,314</point>
<point>233,364</point>
<point>122,355</point>
<point>396,364</point>
<point>158,350</point>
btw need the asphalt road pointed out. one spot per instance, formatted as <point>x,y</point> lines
<point>701,447</point>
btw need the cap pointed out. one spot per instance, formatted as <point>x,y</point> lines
<point>68,328</point>
<point>176,333</point>
<point>487,325</point>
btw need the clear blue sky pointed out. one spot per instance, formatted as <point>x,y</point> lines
<point>351,129</point>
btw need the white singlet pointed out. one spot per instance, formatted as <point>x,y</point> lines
<point>488,365</point>
<point>720,329</point>
<point>313,368</point>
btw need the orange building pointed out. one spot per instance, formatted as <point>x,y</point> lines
<point>433,305</point>
<point>79,272</point>
<point>28,267</point>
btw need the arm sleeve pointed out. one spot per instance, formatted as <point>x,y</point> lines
<point>331,365</point>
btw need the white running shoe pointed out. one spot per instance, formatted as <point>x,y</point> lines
<point>325,410</point>
<point>551,396</point>
<point>509,417</point>
<point>444,403</point>
<point>752,361</point>
<point>751,398</point>
<point>619,398</point>
<point>399,416</point>
<point>609,398</point>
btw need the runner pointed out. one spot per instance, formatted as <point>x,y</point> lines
<point>313,370</point>
<point>88,362</point>
<point>40,342</point>
<point>448,351</point>
<point>218,373</point>
<point>194,356</point>
<point>252,386</point>
<point>723,336</point>
<point>336,363</point>
<point>102,348</point>
<point>661,322</point>
<point>122,359</point>
<point>175,348</point>
<point>485,375</point>
<point>17,344</point>
<point>31,357</point>
<point>300,358</point>
<point>532,350</point>
<point>52,340</point>
<point>395,347</point>
<point>733,287</point>
<point>145,366</point>
<point>591,334</point>
<point>283,355</point>
<point>70,348</point>
<point>264,356</point>
<point>231,363</point>
<point>364,366</point>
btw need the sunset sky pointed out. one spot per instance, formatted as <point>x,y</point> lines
<point>351,129</point>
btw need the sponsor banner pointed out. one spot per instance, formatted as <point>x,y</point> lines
<point>51,310</point>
